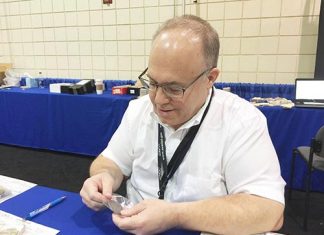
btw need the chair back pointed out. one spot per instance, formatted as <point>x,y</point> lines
<point>319,150</point>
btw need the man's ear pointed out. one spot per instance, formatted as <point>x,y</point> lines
<point>213,75</point>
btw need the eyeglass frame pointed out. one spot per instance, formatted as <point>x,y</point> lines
<point>146,83</point>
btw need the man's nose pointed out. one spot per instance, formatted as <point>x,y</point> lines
<point>160,96</point>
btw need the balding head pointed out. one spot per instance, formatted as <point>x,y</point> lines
<point>194,28</point>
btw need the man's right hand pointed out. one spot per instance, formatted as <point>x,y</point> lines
<point>96,190</point>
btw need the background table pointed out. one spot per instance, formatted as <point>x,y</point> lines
<point>81,124</point>
<point>84,124</point>
<point>70,217</point>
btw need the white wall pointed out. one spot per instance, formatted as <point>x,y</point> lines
<point>264,41</point>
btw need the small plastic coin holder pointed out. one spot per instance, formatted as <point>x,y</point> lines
<point>118,203</point>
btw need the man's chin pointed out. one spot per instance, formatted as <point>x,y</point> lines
<point>165,121</point>
<point>166,118</point>
<point>170,123</point>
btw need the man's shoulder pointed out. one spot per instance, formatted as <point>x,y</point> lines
<point>229,100</point>
<point>233,106</point>
<point>140,102</point>
<point>139,107</point>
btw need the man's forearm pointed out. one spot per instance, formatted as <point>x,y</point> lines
<point>233,214</point>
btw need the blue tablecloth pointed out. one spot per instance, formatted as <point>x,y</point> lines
<point>80,124</point>
<point>70,216</point>
<point>244,90</point>
<point>250,90</point>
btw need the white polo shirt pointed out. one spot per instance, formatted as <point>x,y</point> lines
<point>231,153</point>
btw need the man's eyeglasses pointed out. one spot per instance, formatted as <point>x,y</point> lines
<point>169,89</point>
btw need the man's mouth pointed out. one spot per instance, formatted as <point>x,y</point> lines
<point>164,111</point>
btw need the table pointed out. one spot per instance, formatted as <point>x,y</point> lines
<point>70,217</point>
<point>288,129</point>
<point>81,124</point>
<point>250,90</point>
<point>84,124</point>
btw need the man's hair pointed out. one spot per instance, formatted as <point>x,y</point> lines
<point>199,27</point>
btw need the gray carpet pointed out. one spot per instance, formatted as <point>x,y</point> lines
<point>46,168</point>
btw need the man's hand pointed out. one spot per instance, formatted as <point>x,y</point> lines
<point>96,190</point>
<point>147,217</point>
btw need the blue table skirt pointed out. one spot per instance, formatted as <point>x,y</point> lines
<point>80,124</point>
<point>288,129</point>
<point>70,216</point>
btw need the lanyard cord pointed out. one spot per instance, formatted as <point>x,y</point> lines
<point>166,171</point>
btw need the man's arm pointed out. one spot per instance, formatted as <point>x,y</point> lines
<point>233,214</point>
<point>105,178</point>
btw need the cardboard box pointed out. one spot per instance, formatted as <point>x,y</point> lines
<point>3,68</point>
<point>65,89</point>
<point>88,85</point>
<point>73,89</point>
<point>57,87</point>
<point>120,90</point>
<point>132,90</point>
<point>77,89</point>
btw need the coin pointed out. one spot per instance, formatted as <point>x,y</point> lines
<point>113,206</point>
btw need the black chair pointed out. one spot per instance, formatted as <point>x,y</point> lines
<point>313,155</point>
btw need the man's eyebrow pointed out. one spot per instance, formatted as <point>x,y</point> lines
<point>165,83</point>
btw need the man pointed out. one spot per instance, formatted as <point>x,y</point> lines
<point>228,181</point>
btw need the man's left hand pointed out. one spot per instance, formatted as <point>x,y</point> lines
<point>147,217</point>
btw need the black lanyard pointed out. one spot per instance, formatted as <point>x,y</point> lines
<point>165,170</point>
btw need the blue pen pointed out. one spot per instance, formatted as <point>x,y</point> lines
<point>44,208</point>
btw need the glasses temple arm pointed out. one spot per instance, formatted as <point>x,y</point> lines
<point>141,79</point>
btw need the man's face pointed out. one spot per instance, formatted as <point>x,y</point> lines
<point>176,58</point>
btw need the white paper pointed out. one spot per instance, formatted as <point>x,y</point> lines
<point>16,225</point>
<point>15,186</point>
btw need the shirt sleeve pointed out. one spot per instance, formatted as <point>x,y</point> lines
<point>251,164</point>
<point>119,147</point>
